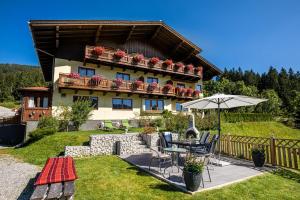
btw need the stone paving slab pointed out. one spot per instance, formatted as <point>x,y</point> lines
<point>237,171</point>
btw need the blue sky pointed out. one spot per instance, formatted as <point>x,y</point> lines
<point>251,34</point>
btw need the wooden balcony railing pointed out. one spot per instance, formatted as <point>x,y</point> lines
<point>127,60</point>
<point>34,114</point>
<point>87,83</point>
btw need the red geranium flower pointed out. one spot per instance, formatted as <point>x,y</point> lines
<point>196,92</point>
<point>189,67</point>
<point>168,62</point>
<point>138,83</point>
<point>138,58</point>
<point>179,65</point>
<point>98,50</point>
<point>189,91</point>
<point>119,54</point>
<point>118,82</point>
<point>152,86</point>
<point>74,75</point>
<point>154,60</point>
<point>168,87</point>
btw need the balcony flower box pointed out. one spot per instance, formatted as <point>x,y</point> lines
<point>189,92</point>
<point>96,80</point>
<point>180,91</point>
<point>98,51</point>
<point>119,54</point>
<point>136,84</point>
<point>178,67</point>
<point>196,93</point>
<point>137,58</point>
<point>167,88</point>
<point>152,86</point>
<point>198,70</point>
<point>117,83</point>
<point>71,78</point>
<point>189,68</point>
<point>153,61</point>
<point>167,64</point>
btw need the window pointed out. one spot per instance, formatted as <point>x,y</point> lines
<point>93,100</point>
<point>152,80</point>
<point>86,71</point>
<point>180,85</point>
<point>125,77</point>
<point>179,107</point>
<point>125,104</point>
<point>38,102</point>
<point>198,87</point>
<point>154,104</point>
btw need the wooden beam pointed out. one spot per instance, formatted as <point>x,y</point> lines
<point>129,34</point>
<point>155,33</point>
<point>189,55</point>
<point>97,36</point>
<point>177,47</point>
<point>57,37</point>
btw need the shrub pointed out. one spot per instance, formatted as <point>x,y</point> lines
<point>246,117</point>
<point>80,112</point>
<point>48,122</point>
<point>157,122</point>
<point>149,130</point>
<point>39,134</point>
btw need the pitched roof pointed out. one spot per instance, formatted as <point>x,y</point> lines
<point>49,35</point>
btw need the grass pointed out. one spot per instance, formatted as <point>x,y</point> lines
<point>108,177</point>
<point>10,104</point>
<point>53,145</point>
<point>261,129</point>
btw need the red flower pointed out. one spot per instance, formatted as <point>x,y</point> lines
<point>189,67</point>
<point>189,91</point>
<point>168,87</point>
<point>138,83</point>
<point>97,78</point>
<point>74,75</point>
<point>179,65</point>
<point>198,69</point>
<point>152,86</point>
<point>196,92</point>
<point>138,58</point>
<point>168,62</point>
<point>98,50</point>
<point>154,60</point>
<point>119,54</point>
<point>118,82</point>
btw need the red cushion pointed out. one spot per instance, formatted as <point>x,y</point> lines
<point>57,170</point>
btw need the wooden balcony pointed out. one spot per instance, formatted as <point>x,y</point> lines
<point>107,57</point>
<point>105,85</point>
<point>35,114</point>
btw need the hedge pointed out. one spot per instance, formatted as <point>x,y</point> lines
<point>246,117</point>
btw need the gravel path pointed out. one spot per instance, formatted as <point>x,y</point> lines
<point>16,178</point>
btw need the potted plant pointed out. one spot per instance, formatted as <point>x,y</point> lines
<point>189,68</point>
<point>192,173</point>
<point>189,91</point>
<point>152,86</point>
<point>178,67</point>
<point>196,93</point>
<point>117,82</point>
<point>167,63</point>
<point>137,58</point>
<point>167,88</point>
<point>71,77</point>
<point>198,70</point>
<point>153,61</point>
<point>98,51</point>
<point>96,79</point>
<point>136,84</point>
<point>258,156</point>
<point>119,54</point>
<point>181,91</point>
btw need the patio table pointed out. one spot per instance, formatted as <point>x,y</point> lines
<point>175,151</point>
<point>186,143</point>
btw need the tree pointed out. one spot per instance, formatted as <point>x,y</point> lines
<point>80,112</point>
<point>272,106</point>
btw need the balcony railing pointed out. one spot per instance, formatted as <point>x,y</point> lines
<point>106,85</point>
<point>144,64</point>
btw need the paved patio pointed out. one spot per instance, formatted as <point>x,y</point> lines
<point>236,171</point>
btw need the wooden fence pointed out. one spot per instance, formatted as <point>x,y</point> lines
<point>279,152</point>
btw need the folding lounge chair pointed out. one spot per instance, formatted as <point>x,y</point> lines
<point>108,125</point>
<point>125,124</point>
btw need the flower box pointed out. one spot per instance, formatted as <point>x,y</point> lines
<point>74,75</point>
<point>152,86</point>
<point>189,91</point>
<point>167,64</point>
<point>136,84</point>
<point>178,67</point>
<point>167,88</point>
<point>153,61</point>
<point>98,51</point>
<point>189,68</point>
<point>117,82</point>
<point>196,93</point>
<point>119,54</point>
<point>138,58</point>
<point>96,79</point>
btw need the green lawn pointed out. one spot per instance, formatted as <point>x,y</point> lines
<point>261,129</point>
<point>108,177</point>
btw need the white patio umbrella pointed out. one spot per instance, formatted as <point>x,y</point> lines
<point>222,101</point>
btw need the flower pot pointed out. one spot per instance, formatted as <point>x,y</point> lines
<point>192,180</point>
<point>258,159</point>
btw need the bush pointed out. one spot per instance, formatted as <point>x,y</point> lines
<point>39,134</point>
<point>149,130</point>
<point>48,122</point>
<point>80,112</point>
<point>246,117</point>
<point>157,122</point>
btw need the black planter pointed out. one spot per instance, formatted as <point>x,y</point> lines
<point>192,181</point>
<point>258,159</point>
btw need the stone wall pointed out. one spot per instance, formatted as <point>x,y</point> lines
<point>152,140</point>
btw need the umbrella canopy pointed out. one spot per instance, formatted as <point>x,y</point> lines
<point>223,101</point>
